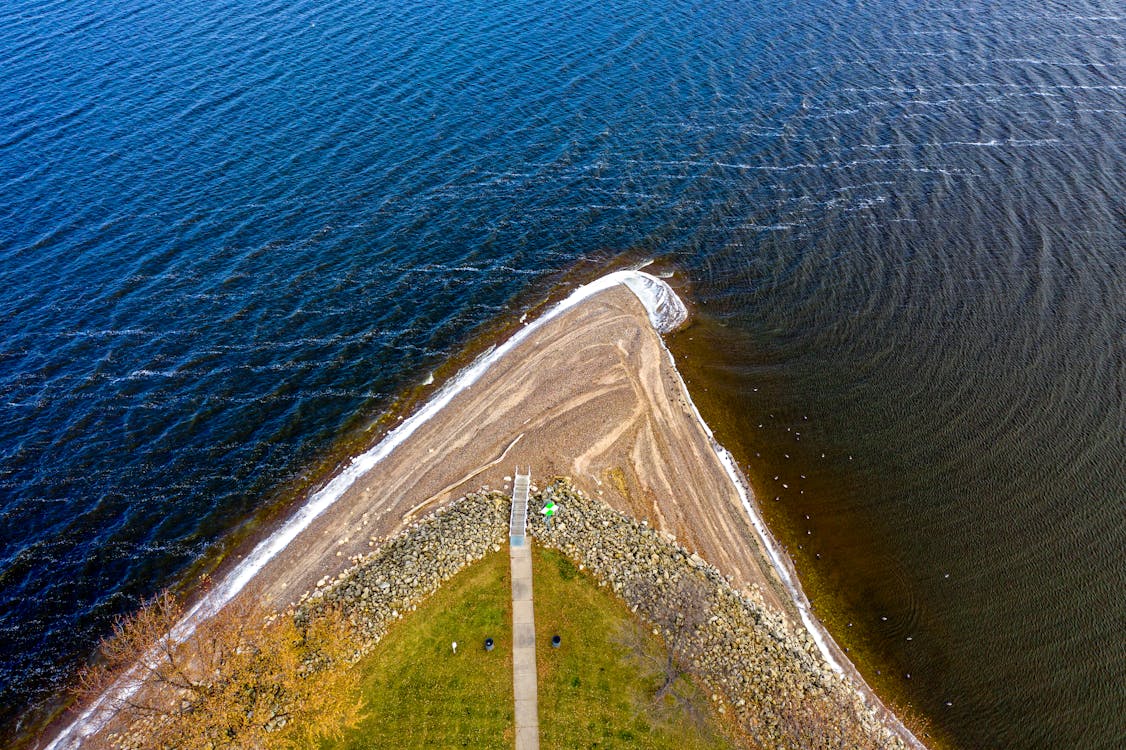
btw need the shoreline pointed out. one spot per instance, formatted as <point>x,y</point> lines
<point>638,445</point>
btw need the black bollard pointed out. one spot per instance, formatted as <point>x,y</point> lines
<point>488,644</point>
<point>555,641</point>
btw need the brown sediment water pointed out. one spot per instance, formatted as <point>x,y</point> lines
<point>800,478</point>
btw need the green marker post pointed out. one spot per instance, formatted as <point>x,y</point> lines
<point>549,510</point>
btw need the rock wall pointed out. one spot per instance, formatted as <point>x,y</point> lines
<point>393,579</point>
<point>769,673</point>
<point>782,691</point>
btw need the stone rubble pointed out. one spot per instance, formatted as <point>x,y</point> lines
<point>758,665</point>
<point>398,574</point>
<point>755,661</point>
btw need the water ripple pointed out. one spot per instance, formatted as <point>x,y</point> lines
<point>231,233</point>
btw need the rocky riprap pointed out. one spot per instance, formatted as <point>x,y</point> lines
<point>770,674</point>
<point>382,585</point>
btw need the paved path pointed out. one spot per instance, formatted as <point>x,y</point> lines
<point>523,621</point>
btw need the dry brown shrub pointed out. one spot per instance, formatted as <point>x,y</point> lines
<point>242,679</point>
<point>828,720</point>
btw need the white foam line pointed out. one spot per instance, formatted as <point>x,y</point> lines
<point>815,629</point>
<point>666,312</point>
<point>776,557</point>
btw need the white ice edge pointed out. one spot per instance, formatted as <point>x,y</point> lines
<point>666,312</point>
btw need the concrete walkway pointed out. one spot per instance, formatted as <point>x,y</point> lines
<point>523,620</point>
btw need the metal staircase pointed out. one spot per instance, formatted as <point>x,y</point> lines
<point>518,522</point>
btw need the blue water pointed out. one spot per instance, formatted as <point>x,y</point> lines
<point>231,233</point>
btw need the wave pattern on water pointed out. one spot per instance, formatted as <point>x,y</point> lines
<point>232,233</point>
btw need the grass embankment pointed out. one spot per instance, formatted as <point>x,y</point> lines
<point>600,688</point>
<point>596,691</point>
<point>418,693</point>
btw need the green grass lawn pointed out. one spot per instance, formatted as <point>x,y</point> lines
<point>418,694</point>
<point>596,691</point>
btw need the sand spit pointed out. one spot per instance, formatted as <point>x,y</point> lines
<point>588,391</point>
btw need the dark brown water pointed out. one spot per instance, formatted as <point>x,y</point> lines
<point>952,492</point>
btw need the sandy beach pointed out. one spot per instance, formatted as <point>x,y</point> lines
<point>590,393</point>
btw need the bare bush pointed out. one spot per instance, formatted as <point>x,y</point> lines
<point>828,720</point>
<point>242,679</point>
